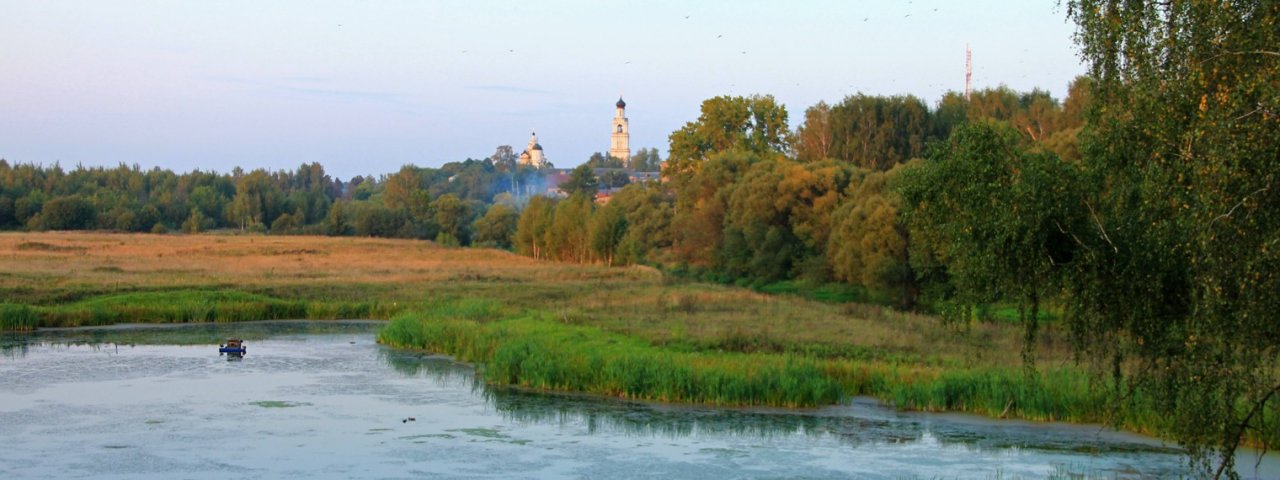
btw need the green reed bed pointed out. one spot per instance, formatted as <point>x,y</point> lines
<point>19,318</point>
<point>535,351</point>
<point>1058,394</point>
<point>1062,394</point>
<point>189,306</point>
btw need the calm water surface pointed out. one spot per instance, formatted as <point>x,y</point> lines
<point>323,400</point>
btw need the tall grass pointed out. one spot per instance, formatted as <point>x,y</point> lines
<point>20,318</point>
<point>1059,394</point>
<point>534,350</point>
<point>538,350</point>
<point>188,306</point>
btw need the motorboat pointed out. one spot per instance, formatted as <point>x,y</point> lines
<point>233,346</point>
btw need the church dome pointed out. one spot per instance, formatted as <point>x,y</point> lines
<point>621,104</point>
<point>537,146</point>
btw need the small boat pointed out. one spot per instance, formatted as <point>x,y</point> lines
<point>233,345</point>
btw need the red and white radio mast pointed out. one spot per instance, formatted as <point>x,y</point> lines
<point>968,72</point>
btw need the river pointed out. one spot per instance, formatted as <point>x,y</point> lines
<point>324,400</point>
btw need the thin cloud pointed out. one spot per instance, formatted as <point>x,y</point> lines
<point>511,89</point>
<point>315,89</point>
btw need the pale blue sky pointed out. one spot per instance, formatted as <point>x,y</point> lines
<point>365,87</point>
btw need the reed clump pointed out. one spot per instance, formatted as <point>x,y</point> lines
<point>534,350</point>
<point>188,306</point>
<point>17,318</point>
<point>1061,394</point>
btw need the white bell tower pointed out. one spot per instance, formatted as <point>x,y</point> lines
<point>620,140</point>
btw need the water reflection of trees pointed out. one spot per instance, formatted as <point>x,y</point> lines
<point>642,419</point>
<point>875,425</point>
<point>440,369</point>
<point>601,414</point>
<point>848,427</point>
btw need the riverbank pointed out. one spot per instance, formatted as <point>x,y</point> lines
<point>534,349</point>
<point>661,338</point>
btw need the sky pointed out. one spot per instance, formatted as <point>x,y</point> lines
<point>366,87</point>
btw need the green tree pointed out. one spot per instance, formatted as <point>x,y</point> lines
<point>287,223</point>
<point>646,160</point>
<point>7,217</point>
<point>701,202</point>
<point>614,179</point>
<point>1183,269</point>
<point>399,190</point>
<point>504,158</point>
<point>67,213</point>
<point>374,220</point>
<point>778,219</point>
<point>210,201</point>
<point>951,112</point>
<point>757,238</point>
<point>496,228</point>
<point>870,243</point>
<point>1065,141</point>
<point>814,137</point>
<point>454,216</point>
<point>582,182</point>
<point>197,222</point>
<point>126,221</point>
<point>877,132</point>
<point>998,213</point>
<point>600,160</point>
<point>258,199</point>
<point>568,238</point>
<point>28,206</point>
<point>648,209</point>
<point>338,221</point>
<point>531,229</point>
<point>753,124</point>
<point>1038,115</point>
<point>607,229</point>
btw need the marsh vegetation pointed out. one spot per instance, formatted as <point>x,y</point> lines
<point>632,332</point>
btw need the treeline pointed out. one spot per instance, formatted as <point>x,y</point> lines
<point>1145,205</point>
<point>460,203</point>
<point>1161,236</point>
<point>644,160</point>
<point>746,200</point>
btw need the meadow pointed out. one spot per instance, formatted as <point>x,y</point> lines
<point>630,332</point>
